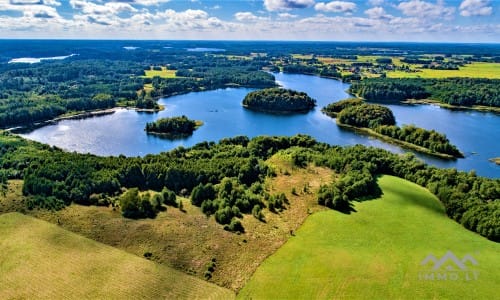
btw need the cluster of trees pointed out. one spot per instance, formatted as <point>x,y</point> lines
<point>471,200</point>
<point>172,126</point>
<point>278,100</point>
<point>235,169</point>
<point>54,178</point>
<point>353,185</point>
<point>454,91</point>
<point>32,93</point>
<point>389,90</point>
<point>430,139</point>
<point>381,120</point>
<point>135,206</point>
<point>365,115</point>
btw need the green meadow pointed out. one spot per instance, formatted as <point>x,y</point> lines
<point>473,70</point>
<point>377,253</point>
<point>163,73</point>
<point>40,260</point>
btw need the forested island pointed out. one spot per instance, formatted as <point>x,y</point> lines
<point>174,127</point>
<point>379,121</point>
<point>278,100</point>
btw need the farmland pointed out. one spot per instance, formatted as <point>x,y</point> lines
<point>376,252</point>
<point>42,260</point>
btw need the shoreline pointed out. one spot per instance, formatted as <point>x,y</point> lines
<point>391,140</point>
<point>281,112</point>
<point>481,108</point>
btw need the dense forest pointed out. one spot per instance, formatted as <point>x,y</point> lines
<point>366,115</point>
<point>36,92</point>
<point>380,119</point>
<point>31,93</point>
<point>334,108</point>
<point>225,179</point>
<point>279,100</point>
<point>453,91</point>
<point>175,126</point>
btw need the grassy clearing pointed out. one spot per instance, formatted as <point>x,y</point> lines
<point>188,240</point>
<point>164,73</point>
<point>473,70</point>
<point>41,260</point>
<point>376,253</point>
<point>302,56</point>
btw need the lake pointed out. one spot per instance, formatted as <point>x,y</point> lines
<point>223,116</point>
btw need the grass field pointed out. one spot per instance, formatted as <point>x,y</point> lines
<point>188,240</point>
<point>376,253</point>
<point>164,73</point>
<point>474,70</point>
<point>43,261</point>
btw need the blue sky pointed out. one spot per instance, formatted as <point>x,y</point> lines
<point>366,20</point>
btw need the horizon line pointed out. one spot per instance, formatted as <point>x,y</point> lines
<point>248,40</point>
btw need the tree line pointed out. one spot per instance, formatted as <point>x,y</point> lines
<point>225,179</point>
<point>453,91</point>
<point>381,120</point>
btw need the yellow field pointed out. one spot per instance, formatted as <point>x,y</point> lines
<point>302,56</point>
<point>43,261</point>
<point>474,70</point>
<point>164,73</point>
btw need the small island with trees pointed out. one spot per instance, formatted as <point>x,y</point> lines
<point>278,100</point>
<point>379,121</point>
<point>175,127</point>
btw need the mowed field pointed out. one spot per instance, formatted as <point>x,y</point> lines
<point>163,73</point>
<point>43,261</point>
<point>473,70</point>
<point>377,253</point>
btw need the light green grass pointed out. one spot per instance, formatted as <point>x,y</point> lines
<point>164,73</point>
<point>376,253</point>
<point>474,70</point>
<point>40,260</point>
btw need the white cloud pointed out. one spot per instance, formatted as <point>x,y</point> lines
<point>475,8</point>
<point>423,9</point>
<point>377,13</point>
<point>287,16</point>
<point>247,17</point>
<point>336,7</point>
<point>376,2</point>
<point>110,8</point>
<point>280,5</point>
<point>144,2</point>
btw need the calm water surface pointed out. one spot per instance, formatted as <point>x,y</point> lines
<point>223,116</point>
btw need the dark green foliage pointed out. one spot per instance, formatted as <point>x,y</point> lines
<point>134,206</point>
<point>454,91</point>
<point>276,203</point>
<point>353,185</point>
<point>334,108</point>
<point>384,60</point>
<point>381,120</point>
<point>201,193</point>
<point>54,179</point>
<point>366,115</point>
<point>172,126</point>
<point>429,139</point>
<point>169,197</point>
<point>31,93</point>
<point>279,100</point>
<point>389,90</point>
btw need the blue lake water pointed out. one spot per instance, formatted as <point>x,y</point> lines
<point>223,116</point>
